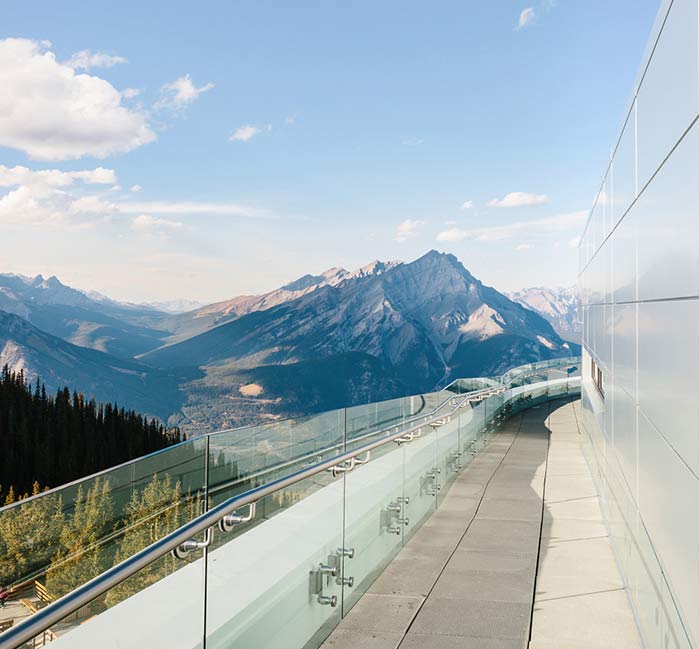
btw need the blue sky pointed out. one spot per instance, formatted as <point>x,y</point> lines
<point>239,145</point>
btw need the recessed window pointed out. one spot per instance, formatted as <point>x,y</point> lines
<point>597,377</point>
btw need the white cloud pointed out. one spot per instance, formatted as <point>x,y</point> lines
<point>84,60</point>
<point>526,18</point>
<point>247,132</point>
<point>290,120</point>
<point>415,141</point>
<point>43,197</point>
<point>519,199</point>
<point>56,198</point>
<point>467,205</point>
<point>408,229</point>
<point>452,235</point>
<point>130,93</point>
<point>189,207</point>
<point>12,176</point>
<point>135,188</point>
<point>180,93</point>
<point>524,246</point>
<point>559,223</point>
<point>154,225</point>
<point>50,112</point>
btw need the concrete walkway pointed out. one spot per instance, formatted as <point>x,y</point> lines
<point>516,552</point>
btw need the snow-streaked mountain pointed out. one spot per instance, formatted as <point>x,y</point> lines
<point>319,342</point>
<point>58,363</point>
<point>202,319</point>
<point>84,319</point>
<point>558,305</point>
<point>423,322</point>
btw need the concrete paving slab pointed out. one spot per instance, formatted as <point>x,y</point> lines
<point>519,509</point>
<point>478,585</point>
<point>413,575</point>
<point>417,641</point>
<point>358,639</point>
<point>565,529</point>
<point>502,535</point>
<point>579,508</point>
<point>383,613</point>
<point>480,619</point>
<point>464,560</point>
<point>594,621</point>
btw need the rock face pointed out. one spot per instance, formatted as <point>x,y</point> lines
<point>189,324</point>
<point>428,321</point>
<point>558,305</point>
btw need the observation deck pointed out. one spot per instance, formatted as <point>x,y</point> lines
<point>460,518</point>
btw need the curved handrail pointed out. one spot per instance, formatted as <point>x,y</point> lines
<point>184,535</point>
<point>100,585</point>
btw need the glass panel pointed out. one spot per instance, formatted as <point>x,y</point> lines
<point>160,606</point>
<point>65,537</point>
<point>420,479</point>
<point>376,516</point>
<point>273,581</point>
<point>448,453</point>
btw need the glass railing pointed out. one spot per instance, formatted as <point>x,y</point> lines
<point>313,509</point>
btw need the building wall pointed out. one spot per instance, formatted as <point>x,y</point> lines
<point>639,290</point>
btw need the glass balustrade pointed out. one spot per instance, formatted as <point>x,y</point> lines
<point>282,571</point>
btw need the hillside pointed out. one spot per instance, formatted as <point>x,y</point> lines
<point>106,378</point>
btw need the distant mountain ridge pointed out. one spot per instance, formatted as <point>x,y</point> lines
<point>95,322</point>
<point>186,325</point>
<point>321,341</point>
<point>558,305</point>
<point>425,322</point>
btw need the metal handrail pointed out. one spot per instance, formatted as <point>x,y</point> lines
<point>211,435</point>
<point>91,590</point>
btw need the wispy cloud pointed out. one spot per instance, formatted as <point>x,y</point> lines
<point>84,60</point>
<point>189,207</point>
<point>467,205</point>
<point>154,225</point>
<point>553,224</point>
<point>247,132</point>
<point>519,199</point>
<point>525,246</point>
<point>526,18</point>
<point>180,93</point>
<point>136,188</point>
<point>409,229</point>
<point>414,141</point>
<point>452,235</point>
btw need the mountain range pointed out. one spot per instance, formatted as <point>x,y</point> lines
<point>558,305</point>
<point>322,341</point>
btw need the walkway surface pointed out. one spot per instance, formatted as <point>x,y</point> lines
<point>516,556</point>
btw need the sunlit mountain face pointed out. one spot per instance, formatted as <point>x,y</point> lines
<point>319,342</point>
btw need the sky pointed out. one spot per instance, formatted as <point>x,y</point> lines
<point>178,150</point>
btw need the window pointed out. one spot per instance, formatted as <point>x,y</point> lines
<point>597,377</point>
